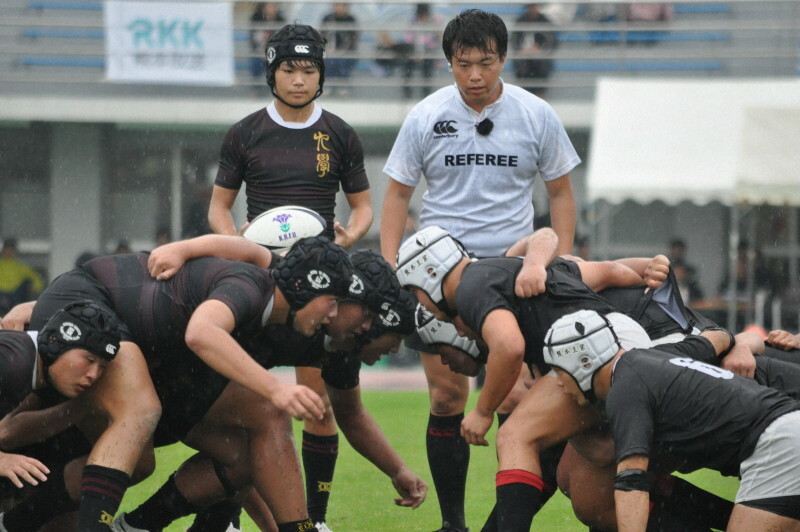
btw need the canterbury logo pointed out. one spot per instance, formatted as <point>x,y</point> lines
<point>106,518</point>
<point>302,49</point>
<point>444,127</point>
<point>324,486</point>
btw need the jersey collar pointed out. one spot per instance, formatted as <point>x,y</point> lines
<point>275,115</point>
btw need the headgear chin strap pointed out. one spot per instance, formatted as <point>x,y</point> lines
<point>580,344</point>
<point>295,42</point>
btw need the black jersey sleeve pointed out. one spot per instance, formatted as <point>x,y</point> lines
<point>630,411</point>
<point>230,172</point>
<point>341,370</point>
<point>245,291</point>
<point>354,174</point>
<point>696,347</point>
<point>484,288</point>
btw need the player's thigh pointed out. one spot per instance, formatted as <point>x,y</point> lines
<point>590,488</point>
<point>240,408</point>
<point>544,417</point>
<point>448,390</point>
<point>747,519</point>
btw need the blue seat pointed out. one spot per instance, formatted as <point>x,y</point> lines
<point>56,4</point>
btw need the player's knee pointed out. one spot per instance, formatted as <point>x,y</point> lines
<point>145,466</point>
<point>448,399</point>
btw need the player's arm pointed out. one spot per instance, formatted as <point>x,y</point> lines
<point>631,497</point>
<point>29,423</point>
<point>366,437</point>
<point>562,211</point>
<point>18,317</point>
<point>208,336</point>
<point>220,217</point>
<point>780,339</point>
<point>600,275</point>
<point>506,344</point>
<point>394,215</point>
<point>538,250</point>
<point>166,260</point>
<point>653,271</point>
<point>359,222</point>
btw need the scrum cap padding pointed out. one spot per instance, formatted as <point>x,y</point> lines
<point>374,284</point>
<point>580,344</point>
<point>295,42</point>
<point>313,267</point>
<point>425,259</point>
<point>396,317</point>
<point>436,332</point>
<point>79,325</point>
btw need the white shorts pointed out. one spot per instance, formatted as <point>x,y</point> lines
<point>773,470</point>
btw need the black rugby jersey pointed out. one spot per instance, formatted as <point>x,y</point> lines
<point>282,166</point>
<point>17,362</point>
<point>488,284</point>
<point>280,345</point>
<point>700,413</point>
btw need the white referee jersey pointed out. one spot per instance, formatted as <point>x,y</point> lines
<point>480,188</point>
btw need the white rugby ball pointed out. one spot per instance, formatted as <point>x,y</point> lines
<point>277,229</point>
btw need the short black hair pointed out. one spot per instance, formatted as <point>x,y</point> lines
<point>474,28</point>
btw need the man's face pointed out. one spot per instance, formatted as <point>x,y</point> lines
<point>384,344</point>
<point>296,82</point>
<point>75,371</point>
<point>318,312</point>
<point>477,75</point>
<point>351,319</point>
<point>570,386</point>
<point>459,361</point>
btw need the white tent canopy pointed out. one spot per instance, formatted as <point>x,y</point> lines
<point>730,141</point>
<point>734,141</point>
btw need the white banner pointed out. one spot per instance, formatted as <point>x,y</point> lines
<point>169,42</point>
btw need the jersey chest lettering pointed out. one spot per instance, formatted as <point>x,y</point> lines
<point>481,159</point>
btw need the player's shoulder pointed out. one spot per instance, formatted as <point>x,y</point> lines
<point>443,100</point>
<point>522,101</point>
<point>335,121</point>
<point>256,117</point>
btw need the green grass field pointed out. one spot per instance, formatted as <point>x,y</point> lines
<point>362,498</point>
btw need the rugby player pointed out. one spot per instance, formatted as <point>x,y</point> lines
<point>295,152</point>
<point>48,368</point>
<point>701,414</point>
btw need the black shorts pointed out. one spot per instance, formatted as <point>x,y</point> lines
<point>788,506</point>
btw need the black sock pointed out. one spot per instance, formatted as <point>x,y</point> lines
<point>319,461</point>
<point>518,496</point>
<point>165,506</point>
<point>47,501</point>
<point>448,459</point>
<point>683,498</point>
<point>306,525</point>
<point>101,492</point>
<point>217,517</point>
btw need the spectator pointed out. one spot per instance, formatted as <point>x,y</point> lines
<point>596,12</point>
<point>647,12</point>
<point>533,50</point>
<point>18,281</point>
<point>123,246</point>
<point>162,236</point>
<point>338,27</point>
<point>423,40</point>
<point>265,14</point>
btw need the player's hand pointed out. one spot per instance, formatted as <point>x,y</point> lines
<point>245,226</point>
<point>343,237</point>
<point>165,261</point>
<point>656,272</point>
<point>301,402</point>
<point>740,361</point>
<point>530,280</point>
<point>475,426</point>
<point>411,488</point>
<point>18,317</point>
<point>783,340</point>
<point>17,468</point>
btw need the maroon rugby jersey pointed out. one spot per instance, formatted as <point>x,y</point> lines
<point>282,166</point>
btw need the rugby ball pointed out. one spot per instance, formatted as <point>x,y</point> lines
<point>277,229</point>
